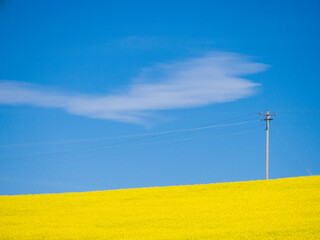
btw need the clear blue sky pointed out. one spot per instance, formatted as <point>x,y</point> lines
<point>75,75</point>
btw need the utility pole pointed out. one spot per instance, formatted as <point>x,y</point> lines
<point>267,119</point>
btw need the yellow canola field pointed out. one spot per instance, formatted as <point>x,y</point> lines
<point>274,209</point>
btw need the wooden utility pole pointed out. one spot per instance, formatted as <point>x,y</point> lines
<point>267,119</point>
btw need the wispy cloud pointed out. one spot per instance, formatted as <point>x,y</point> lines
<point>214,78</point>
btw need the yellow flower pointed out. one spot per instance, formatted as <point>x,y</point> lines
<point>275,209</point>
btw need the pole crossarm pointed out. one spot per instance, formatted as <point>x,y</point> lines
<point>266,114</point>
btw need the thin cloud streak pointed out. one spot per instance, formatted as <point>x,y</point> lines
<point>214,78</point>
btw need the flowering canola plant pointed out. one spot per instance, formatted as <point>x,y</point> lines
<point>274,209</point>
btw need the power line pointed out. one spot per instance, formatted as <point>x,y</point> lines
<point>142,134</point>
<point>300,111</point>
<point>128,136</point>
<point>144,142</point>
<point>109,155</point>
<point>112,146</point>
<point>149,135</point>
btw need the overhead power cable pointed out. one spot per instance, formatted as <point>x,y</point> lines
<point>299,111</point>
<point>150,138</point>
<point>130,136</point>
<point>165,143</point>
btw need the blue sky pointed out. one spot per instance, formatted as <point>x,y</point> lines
<point>98,95</point>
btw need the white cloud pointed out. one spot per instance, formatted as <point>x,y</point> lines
<point>214,78</point>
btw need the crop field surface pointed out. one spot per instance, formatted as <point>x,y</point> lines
<point>274,209</point>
